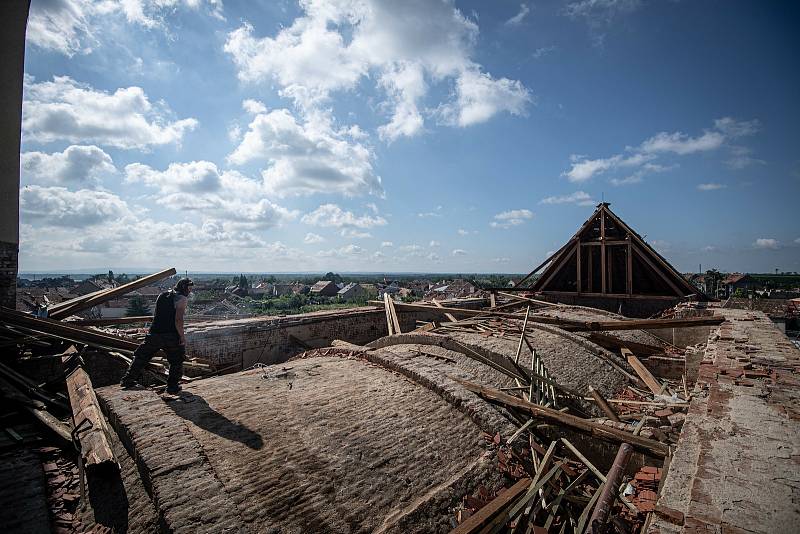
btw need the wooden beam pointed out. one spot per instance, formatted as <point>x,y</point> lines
<point>601,402</point>
<point>94,437</point>
<point>649,380</point>
<point>37,410</point>
<point>629,273</point>
<point>614,343</point>
<point>111,294</point>
<point>579,284</point>
<point>545,262</point>
<point>448,315</point>
<point>648,446</point>
<point>603,249</point>
<point>589,273</point>
<point>645,324</point>
<point>659,272</point>
<point>527,299</point>
<point>483,516</point>
<point>522,336</point>
<point>555,268</point>
<point>389,319</point>
<point>609,491</point>
<point>111,320</point>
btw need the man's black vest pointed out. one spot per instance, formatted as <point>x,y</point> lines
<point>164,320</point>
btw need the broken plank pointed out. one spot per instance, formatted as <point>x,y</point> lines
<point>480,518</point>
<point>94,437</point>
<point>649,380</point>
<point>649,446</point>
<point>601,402</point>
<point>448,315</point>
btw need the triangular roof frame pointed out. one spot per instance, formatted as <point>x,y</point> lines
<point>679,286</point>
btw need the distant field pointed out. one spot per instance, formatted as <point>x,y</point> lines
<point>778,280</point>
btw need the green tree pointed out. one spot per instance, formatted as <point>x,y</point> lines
<point>137,306</point>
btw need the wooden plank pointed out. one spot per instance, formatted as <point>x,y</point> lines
<point>522,335</point>
<point>406,306</point>
<point>648,446</point>
<point>528,299</point>
<point>629,273</point>
<point>492,299</point>
<point>94,438</point>
<point>448,315</point>
<point>649,380</point>
<point>580,285</point>
<point>395,319</point>
<point>614,343</point>
<point>601,402</point>
<point>645,324</point>
<point>540,285</point>
<point>485,514</point>
<point>111,294</point>
<point>389,320</point>
<point>112,320</point>
<point>37,410</point>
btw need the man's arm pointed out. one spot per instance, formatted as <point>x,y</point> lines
<point>180,310</point>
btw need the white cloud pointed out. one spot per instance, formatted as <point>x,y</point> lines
<point>681,144</point>
<point>71,26</point>
<point>60,25</point>
<point>710,187</point>
<point>77,164</point>
<point>797,241</point>
<point>661,245</point>
<point>345,252</point>
<point>581,198</point>
<point>461,231</point>
<point>312,238</point>
<point>459,252</point>
<point>519,17</point>
<point>597,12</point>
<point>480,97</point>
<point>766,243</point>
<point>63,109</point>
<point>352,233</point>
<point>253,106</point>
<point>501,260</point>
<point>372,207</point>
<point>307,158</point>
<point>59,207</point>
<point>387,244</point>
<point>663,144</point>
<point>544,51</point>
<point>331,215</point>
<point>404,46</point>
<point>434,257</point>
<point>510,218</point>
<point>709,248</point>
<point>434,244</point>
<point>428,214</point>
<point>201,186</point>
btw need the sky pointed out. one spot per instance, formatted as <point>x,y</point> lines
<point>414,136</point>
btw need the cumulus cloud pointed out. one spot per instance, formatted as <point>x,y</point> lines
<point>640,160</point>
<point>352,233</point>
<point>77,164</point>
<point>581,198</point>
<point>332,216</point>
<point>510,218</point>
<point>766,243</point>
<point>459,252</point>
<point>59,207</point>
<point>254,106</point>
<point>201,186</point>
<point>309,157</point>
<point>462,232</point>
<point>434,244</point>
<point>387,244</point>
<point>406,47</point>
<point>312,238</point>
<point>64,109</point>
<point>71,26</point>
<point>710,187</point>
<point>345,252</point>
<point>501,260</point>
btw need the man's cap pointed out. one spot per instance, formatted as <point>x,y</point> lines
<point>183,283</point>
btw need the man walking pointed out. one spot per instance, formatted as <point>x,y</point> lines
<point>166,332</point>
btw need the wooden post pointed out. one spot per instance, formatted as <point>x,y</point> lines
<point>589,273</point>
<point>601,402</point>
<point>522,336</point>
<point>629,279</point>
<point>389,321</point>
<point>492,299</point>
<point>580,285</point>
<point>603,250</point>
<point>95,444</point>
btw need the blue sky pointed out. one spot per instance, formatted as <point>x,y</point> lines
<point>422,135</point>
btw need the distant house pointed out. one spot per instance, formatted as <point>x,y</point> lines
<point>352,291</point>
<point>261,289</point>
<point>86,287</point>
<point>391,289</point>
<point>737,281</point>
<point>279,290</point>
<point>324,288</point>
<point>453,290</point>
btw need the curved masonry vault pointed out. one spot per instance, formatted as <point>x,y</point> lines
<point>359,442</point>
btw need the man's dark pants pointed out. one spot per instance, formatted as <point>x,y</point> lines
<point>175,352</point>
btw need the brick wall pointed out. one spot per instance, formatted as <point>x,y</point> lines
<point>246,342</point>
